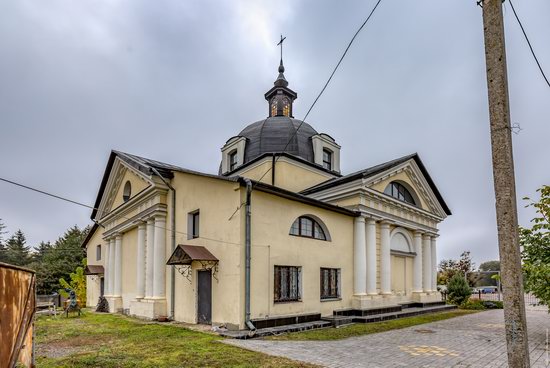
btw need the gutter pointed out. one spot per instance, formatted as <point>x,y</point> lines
<point>247,248</point>
<point>173,241</point>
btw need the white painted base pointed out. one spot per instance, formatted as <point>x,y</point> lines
<point>115,304</point>
<point>148,308</point>
<point>423,297</point>
<point>370,301</point>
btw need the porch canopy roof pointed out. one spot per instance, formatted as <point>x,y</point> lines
<point>185,254</point>
<point>93,270</point>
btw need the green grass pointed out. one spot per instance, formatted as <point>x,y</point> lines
<point>369,328</point>
<point>104,340</point>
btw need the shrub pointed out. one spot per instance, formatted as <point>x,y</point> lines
<point>493,304</point>
<point>458,290</point>
<point>473,305</point>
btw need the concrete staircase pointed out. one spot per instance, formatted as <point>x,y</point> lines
<point>341,317</point>
<point>370,315</point>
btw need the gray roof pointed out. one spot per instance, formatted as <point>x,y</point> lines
<point>272,135</point>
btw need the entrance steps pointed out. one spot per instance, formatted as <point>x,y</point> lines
<point>278,325</point>
<point>277,330</point>
<point>370,315</point>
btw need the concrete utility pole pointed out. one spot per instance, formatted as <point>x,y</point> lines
<point>505,191</point>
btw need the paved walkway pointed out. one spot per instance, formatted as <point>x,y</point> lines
<point>475,340</point>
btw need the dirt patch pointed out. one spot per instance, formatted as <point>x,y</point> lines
<point>66,347</point>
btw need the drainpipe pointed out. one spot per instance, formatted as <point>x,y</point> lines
<point>173,240</point>
<point>247,247</point>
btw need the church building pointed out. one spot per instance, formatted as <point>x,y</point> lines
<point>278,232</point>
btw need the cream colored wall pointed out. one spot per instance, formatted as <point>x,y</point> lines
<point>288,175</point>
<point>402,176</point>
<point>272,245</point>
<point>217,200</point>
<point>255,172</point>
<point>92,283</point>
<point>137,183</point>
<point>294,178</point>
<point>129,262</point>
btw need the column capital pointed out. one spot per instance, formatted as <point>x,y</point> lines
<point>418,233</point>
<point>385,224</point>
<point>360,218</point>
<point>370,221</point>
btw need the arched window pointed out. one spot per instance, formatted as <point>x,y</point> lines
<point>127,191</point>
<point>308,227</point>
<point>397,190</point>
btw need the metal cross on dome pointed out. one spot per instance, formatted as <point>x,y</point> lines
<point>281,44</point>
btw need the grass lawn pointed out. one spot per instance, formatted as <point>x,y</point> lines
<point>104,340</point>
<point>359,329</point>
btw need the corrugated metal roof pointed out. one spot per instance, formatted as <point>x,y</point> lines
<point>185,254</point>
<point>93,270</point>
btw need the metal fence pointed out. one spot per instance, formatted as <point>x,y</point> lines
<point>530,299</point>
<point>18,303</point>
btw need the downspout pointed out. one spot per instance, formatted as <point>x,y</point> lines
<point>173,241</point>
<point>247,248</point>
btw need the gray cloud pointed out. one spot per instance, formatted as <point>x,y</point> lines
<point>173,80</point>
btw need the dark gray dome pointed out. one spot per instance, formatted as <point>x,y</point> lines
<point>271,135</point>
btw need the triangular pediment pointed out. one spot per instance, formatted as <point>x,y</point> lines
<point>119,175</point>
<point>412,177</point>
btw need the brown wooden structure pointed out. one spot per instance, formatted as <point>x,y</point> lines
<point>17,307</point>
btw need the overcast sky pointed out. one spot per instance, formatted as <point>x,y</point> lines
<point>173,80</point>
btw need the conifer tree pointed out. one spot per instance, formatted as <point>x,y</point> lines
<point>16,250</point>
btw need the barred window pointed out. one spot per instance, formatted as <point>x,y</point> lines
<point>287,283</point>
<point>308,227</point>
<point>330,283</point>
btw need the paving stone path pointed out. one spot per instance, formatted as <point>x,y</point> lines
<point>475,340</point>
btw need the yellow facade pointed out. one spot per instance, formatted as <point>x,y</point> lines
<point>288,175</point>
<point>220,203</point>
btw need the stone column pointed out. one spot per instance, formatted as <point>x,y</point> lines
<point>417,266</point>
<point>140,264</point>
<point>359,257</point>
<point>106,270</point>
<point>371,257</point>
<point>427,263</point>
<point>434,264</point>
<point>112,266</point>
<point>385,258</point>
<point>159,262</point>
<point>118,266</point>
<point>149,257</point>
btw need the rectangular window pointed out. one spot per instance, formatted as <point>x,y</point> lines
<point>232,160</point>
<point>98,253</point>
<point>193,222</point>
<point>287,283</point>
<point>327,159</point>
<point>330,283</point>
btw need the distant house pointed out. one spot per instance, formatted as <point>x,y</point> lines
<point>279,231</point>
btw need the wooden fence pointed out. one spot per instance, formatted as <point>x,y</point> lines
<point>17,306</point>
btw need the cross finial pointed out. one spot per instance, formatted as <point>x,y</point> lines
<point>281,44</point>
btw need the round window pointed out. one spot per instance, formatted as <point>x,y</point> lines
<point>127,191</point>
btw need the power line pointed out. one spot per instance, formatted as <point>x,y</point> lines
<point>529,43</point>
<point>324,87</point>
<point>94,208</point>
<point>267,171</point>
